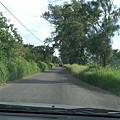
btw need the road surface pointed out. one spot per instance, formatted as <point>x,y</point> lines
<point>57,86</point>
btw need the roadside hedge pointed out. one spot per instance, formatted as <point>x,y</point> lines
<point>42,65</point>
<point>4,73</point>
<point>19,68</point>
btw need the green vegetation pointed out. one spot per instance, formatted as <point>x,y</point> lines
<point>105,78</point>
<point>44,66</point>
<point>18,60</point>
<point>83,34</point>
<point>4,74</point>
<point>19,68</point>
<point>84,30</point>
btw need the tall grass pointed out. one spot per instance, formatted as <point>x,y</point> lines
<point>105,78</point>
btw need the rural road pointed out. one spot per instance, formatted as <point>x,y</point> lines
<point>57,86</point>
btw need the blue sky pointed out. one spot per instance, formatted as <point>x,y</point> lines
<point>29,12</point>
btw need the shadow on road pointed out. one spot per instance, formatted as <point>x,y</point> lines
<point>45,79</point>
<point>60,74</point>
<point>34,81</point>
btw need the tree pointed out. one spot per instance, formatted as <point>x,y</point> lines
<point>10,41</point>
<point>69,31</point>
<point>84,28</point>
<point>115,54</point>
<point>38,53</point>
<point>55,60</point>
<point>103,29</point>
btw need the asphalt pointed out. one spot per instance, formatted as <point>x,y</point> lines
<point>58,86</point>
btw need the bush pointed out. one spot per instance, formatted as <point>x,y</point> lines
<point>26,68</point>
<point>20,68</point>
<point>34,67</point>
<point>12,68</point>
<point>4,73</point>
<point>115,64</point>
<point>50,65</point>
<point>42,65</point>
<point>94,67</point>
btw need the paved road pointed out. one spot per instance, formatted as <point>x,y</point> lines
<point>57,86</point>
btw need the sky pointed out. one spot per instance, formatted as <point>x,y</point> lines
<point>29,13</point>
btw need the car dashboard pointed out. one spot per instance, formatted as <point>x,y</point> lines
<point>27,116</point>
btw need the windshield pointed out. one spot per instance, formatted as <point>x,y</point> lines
<point>60,52</point>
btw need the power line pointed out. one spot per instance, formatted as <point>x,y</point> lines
<point>20,22</point>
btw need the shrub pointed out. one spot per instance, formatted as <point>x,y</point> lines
<point>4,73</point>
<point>12,68</point>
<point>50,65</point>
<point>26,68</point>
<point>20,68</point>
<point>42,65</point>
<point>34,67</point>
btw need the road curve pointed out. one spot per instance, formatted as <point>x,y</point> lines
<point>57,86</point>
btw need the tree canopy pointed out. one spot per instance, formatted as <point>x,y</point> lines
<point>84,30</point>
<point>12,47</point>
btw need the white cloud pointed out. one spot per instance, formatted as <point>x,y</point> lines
<point>28,12</point>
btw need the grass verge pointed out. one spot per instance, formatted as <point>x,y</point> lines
<point>105,78</point>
